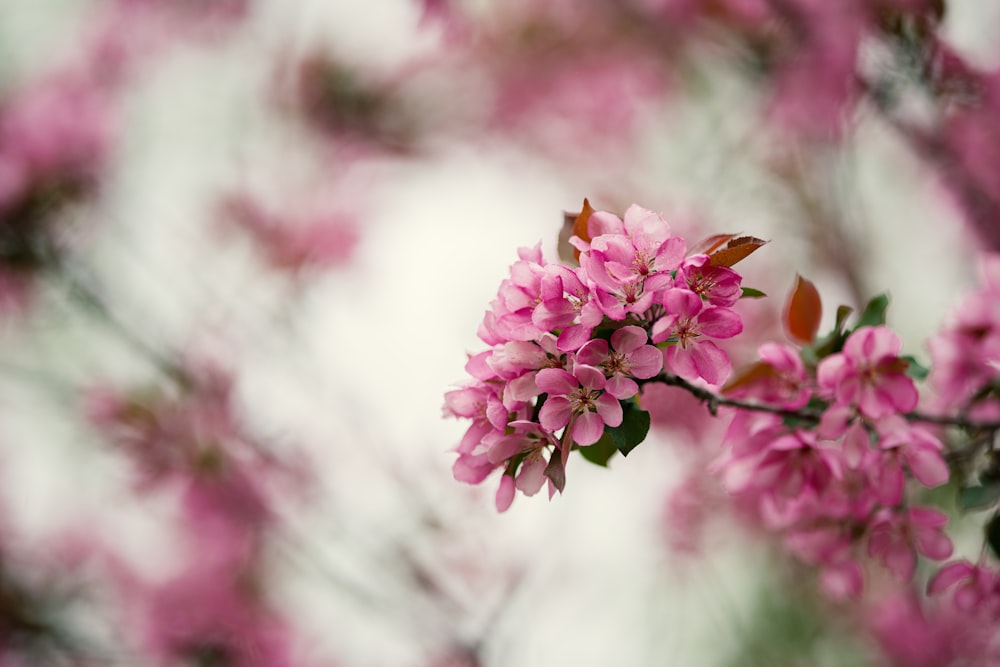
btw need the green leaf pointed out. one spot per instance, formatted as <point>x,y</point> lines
<point>601,451</point>
<point>993,534</point>
<point>978,497</point>
<point>832,343</point>
<point>915,369</point>
<point>874,313</point>
<point>633,430</point>
<point>751,293</point>
<point>843,312</point>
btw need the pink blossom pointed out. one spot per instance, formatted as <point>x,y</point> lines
<point>566,304</point>
<point>898,535</point>
<point>779,378</point>
<point>869,374</point>
<point>480,403</point>
<point>688,320</point>
<point>789,476</point>
<point>973,589</point>
<point>627,357</point>
<point>913,636</point>
<point>630,260</point>
<point>511,314</point>
<point>719,285</point>
<point>288,243</point>
<point>903,443</point>
<point>578,399</point>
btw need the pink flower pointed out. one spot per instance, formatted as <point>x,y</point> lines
<point>779,378</point>
<point>510,314</point>
<point>902,443</point>
<point>322,240</point>
<point>480,403</point>
<point>719,285</point>
<point>629,358</point>
<point>639,246</point>
<point>578,398</point>
<point>629,261</point>
<point>975,589</point>
<point>869,374</point>
<point>898,535</point>
<point>688,320</point>
<point>565,303</point>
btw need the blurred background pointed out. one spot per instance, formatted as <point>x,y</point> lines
<point>246,248</point>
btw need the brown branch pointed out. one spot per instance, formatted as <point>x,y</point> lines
<point>714,401</point>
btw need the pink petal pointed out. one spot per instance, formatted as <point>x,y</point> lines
<point>555,413</point>
<point>683,303</point>
<point>719,322</point>
<point>589,377</point>
<point>573,337</point>
<point>856,444</point>
<point>948,576</point>
<point>681,362</point>
<point>603,222</point>
<point>890,488</point>
<point>933,544</point>
<point>927,465</point>
<point>619,271</point>
<point>505,494</point>
<point>663,328</point>
<point>504,448</point>
<point>711,362</point>
<point>670,254</point>
<point>610,410</point>
<point>901,560</point>
<point>531,476</point>
<point>593,353</point>
<point>628,339</point>
<point>646,362</point>
<point>555,381</point>
<point>621,387</point>
<point>900,390</point>
<point>830,372</point>
<point>587,428</point>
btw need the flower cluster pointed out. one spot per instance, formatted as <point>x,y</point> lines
<point>966,354</point>
<point>571,345</point>
<point>834,483</point>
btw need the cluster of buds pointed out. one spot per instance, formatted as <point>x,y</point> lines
<point>570,346</point>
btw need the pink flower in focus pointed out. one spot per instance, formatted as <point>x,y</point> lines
<point>688,320</point>
<point>719,285</point>
<point>628,357</point>
<point>630,261</point>
<point>869,374</point>
<point>566,304</point>
<point>578,399</point>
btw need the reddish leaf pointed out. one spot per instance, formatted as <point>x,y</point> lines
<point>756,371</point>
<point>803,312</point>
<point>574,225</point>
<point>735,250</point>
<point>706,246</point>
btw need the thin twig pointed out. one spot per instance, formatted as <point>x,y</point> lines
<point>714,401</point>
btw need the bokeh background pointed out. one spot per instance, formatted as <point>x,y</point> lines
<point>317,201</point>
